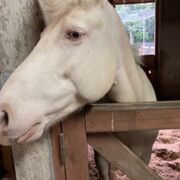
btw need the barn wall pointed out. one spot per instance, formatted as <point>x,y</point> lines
<point>20,28</point>
<point>19,32</point>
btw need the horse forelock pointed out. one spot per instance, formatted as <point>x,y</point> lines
<point>59,8</point>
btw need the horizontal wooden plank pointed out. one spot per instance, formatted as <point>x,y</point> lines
<point>119,155</point>
<point>134,106</point>
<point>132,1</point>
<point>132,116</point>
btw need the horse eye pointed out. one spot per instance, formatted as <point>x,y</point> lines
<point>73,35</point>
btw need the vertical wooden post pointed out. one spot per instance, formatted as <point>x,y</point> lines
<point>59,168</point>
<point>76,160</point>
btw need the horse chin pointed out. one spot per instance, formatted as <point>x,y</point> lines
<point>31,134</point>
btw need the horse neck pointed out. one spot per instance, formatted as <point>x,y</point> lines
<point>128,84</point>
<point>131,83</point>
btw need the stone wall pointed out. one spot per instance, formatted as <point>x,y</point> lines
<point>20,28</point>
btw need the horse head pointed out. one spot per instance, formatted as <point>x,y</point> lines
<point>73,64</point>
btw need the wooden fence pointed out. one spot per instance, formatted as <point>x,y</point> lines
<point>94,125</point>
<point>61,154</point>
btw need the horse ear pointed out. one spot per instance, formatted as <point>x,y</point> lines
<point>50,8</point>
<point>47,9</point>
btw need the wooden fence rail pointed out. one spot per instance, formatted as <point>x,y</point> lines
<point>67,142</point>
<point>132,116</point>
<point>103,118</point>
<point>119,155</point>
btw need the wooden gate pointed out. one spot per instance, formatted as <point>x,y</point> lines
<point>98,122</point>
<point>66,144</point>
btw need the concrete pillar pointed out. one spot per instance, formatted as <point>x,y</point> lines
<point>20,28</point>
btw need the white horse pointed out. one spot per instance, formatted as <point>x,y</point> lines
<point>83,54</point>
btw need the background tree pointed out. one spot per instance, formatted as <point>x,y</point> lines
<point>133,15</point>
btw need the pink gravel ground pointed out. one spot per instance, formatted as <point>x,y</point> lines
<point>165,159</point>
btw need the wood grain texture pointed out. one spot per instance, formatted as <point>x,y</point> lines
<point>118,154</point>
<point>76,162</point>
<point>59,169</point>
<point>134,106</point>
<point>132,1</point>
<point>132,116</point>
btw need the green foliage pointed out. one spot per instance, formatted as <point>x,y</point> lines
<point>132,16</point>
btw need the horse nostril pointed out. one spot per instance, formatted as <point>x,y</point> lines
<point>4,118</point>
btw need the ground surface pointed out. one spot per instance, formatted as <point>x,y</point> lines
<point>165,160</point>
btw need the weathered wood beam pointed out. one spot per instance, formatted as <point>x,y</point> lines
<point>59,167</point>
<point>75,143</point>
<point>132,116</point>
<point>118,154</point>
<point>131,1</point>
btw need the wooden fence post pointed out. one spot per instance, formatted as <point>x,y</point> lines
<point>76,156</point>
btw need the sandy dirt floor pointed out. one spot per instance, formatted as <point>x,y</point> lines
<point>165,159</point>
